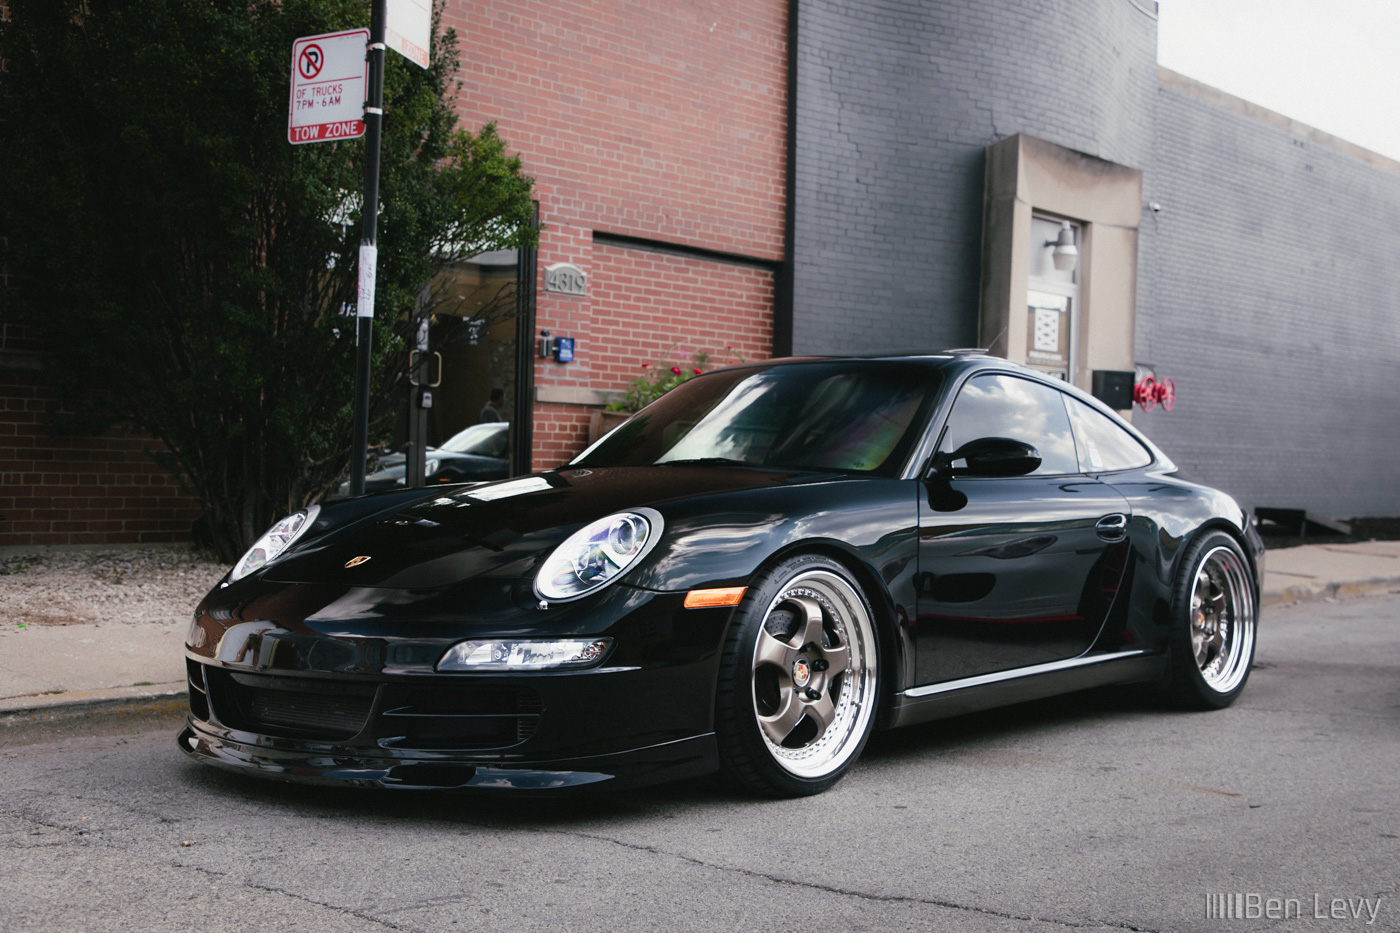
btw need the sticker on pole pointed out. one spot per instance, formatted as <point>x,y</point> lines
<point>369,269</point>
<point>330,74</point>
<point>408,29</point>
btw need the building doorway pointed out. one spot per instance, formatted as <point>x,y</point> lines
<point>473,328</point>
<point>473,344</point>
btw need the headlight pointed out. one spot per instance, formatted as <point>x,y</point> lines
<point>271,545</point>
<point>429,467</point>
<point>597,554</point>
<point>556,655</point>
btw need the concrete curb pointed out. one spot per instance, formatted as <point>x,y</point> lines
<point>1310,592</point>
<point>119,711</point>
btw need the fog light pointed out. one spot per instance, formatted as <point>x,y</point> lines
<point>500,655</point>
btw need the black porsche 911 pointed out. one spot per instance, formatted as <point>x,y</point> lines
<point>748,576</point>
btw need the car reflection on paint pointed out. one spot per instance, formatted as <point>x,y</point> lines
<point>475,454</point>
<point>749,576</point>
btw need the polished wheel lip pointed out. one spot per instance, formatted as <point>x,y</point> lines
<point>1222,622</point>
<point>844,664</point>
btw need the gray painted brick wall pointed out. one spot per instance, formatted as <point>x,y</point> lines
<point>1269,289</point>
<point>896,101</point>
<point>1268,286</point>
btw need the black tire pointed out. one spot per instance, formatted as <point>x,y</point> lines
<point>1215,611</point>
<point>798,680</point>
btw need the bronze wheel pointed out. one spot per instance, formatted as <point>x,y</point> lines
<point>800,683</point>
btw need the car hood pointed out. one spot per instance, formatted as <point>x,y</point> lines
<point>504,529</point>
<point>392,471</point>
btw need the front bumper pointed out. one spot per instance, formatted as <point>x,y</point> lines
<point>606,728</point>
<point>298,696</point>
<point>669,761</point>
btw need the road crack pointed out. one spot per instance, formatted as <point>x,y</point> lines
<point>850,892</point>
<point>93,837</point>
<point>273,889</point>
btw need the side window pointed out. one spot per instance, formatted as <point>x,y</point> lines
<point>1103,445</point>
<point>995,405</point>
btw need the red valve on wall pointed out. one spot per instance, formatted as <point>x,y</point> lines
<point>1149,392</point>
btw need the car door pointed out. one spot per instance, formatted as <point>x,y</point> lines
<point>1014,570</point>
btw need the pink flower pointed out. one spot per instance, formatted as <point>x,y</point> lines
<point>696,371</point>
<point>676,370</point>
<point>646,366</point>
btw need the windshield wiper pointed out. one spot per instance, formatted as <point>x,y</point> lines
<point>708,461</point>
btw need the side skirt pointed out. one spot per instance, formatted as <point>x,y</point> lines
<point>1003,688</point>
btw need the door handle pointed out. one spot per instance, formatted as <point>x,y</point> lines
<point>1112,527</point>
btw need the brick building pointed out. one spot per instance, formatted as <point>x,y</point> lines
<point>656,134</point>
<point>66,489</point>
<point>826,176</point>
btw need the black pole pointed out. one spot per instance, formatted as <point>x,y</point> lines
<point>369,250</point>
<point>419,392</point>
<point>522,437</point>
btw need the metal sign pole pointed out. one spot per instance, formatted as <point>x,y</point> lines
<point>369,251</point>
<point>419,398</point>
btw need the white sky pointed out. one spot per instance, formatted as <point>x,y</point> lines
<point>1332,64</point>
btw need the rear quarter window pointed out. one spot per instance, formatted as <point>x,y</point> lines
<point>1104,446</point>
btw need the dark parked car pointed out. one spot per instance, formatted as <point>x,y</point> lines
<point>749,575</point>
<point>474,454</point>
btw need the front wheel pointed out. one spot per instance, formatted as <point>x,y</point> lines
<point>1214,613</point>
<point>798,680</point>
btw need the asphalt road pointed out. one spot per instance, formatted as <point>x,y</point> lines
<point>1090,812</point>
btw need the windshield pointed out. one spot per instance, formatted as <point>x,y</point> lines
<point>860,415</point>
<point>487,440</point>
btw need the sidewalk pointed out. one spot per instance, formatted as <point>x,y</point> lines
<point>78,678</point>
<point>1321,571</point>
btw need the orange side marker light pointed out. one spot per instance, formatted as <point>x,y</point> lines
<point>707,599</point>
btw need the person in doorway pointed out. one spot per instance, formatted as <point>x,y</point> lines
<point>492,411</point>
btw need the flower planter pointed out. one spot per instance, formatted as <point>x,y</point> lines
<point>601,422</point>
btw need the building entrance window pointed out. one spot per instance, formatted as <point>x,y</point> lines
<point>465,368</point>
<point>1052,303</point>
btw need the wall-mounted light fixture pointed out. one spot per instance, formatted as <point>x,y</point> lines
<point>1066,254</point>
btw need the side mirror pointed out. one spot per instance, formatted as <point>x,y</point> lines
<point>988,456</point>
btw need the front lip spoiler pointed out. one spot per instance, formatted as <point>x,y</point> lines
<point>655,764</point>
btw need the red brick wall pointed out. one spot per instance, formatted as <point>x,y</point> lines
<point>658,120</point>
<point>560,432</point>
<point>648,306</point>
<point>74,489</point>
<point>664,120</point>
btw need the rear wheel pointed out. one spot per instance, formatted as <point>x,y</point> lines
<point>798,681</point>
<point>1214,613</point>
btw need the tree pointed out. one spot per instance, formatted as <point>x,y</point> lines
<point>190,268</point>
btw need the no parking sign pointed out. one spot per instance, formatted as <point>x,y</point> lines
<point>329,75</point>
